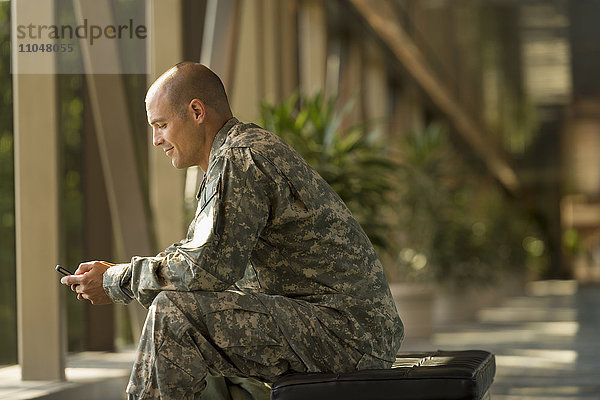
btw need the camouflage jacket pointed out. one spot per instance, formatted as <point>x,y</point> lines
<point>267,222</point>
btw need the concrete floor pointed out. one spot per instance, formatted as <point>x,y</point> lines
<point>90,376</point>
<point>546,345</point>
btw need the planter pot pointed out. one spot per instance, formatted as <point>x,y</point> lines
<point>415,307</point>
<point>455,305</point>
<point>459,305</point>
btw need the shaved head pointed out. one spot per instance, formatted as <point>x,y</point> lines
<point>187,81</point>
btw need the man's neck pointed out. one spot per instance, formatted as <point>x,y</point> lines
<point>212,132</point>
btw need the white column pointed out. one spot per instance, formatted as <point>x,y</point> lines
<point>165,49</point>
<point>41,350</point>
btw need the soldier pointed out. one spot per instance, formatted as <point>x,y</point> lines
<point>275,275</point>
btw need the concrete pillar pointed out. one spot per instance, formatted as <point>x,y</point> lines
<point>334,67</point>
<point>376,96</point>
<point>351,81</point>
<point>41,345</point>
<point>165,49</point>
<point>313,46</point>
<point>288,35</point>
<point>97,232</point>
<point>580,148</point>
<point>219,41</point>
<point>246,90</point>
<point>192,19</point>
<point>408,115</point>
<point>269,50</point>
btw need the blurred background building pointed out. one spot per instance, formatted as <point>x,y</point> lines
<point>491,110</point>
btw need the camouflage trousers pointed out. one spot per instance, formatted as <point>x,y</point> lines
<point>189,335</point>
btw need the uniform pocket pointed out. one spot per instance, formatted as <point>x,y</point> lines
<point>235,318</point>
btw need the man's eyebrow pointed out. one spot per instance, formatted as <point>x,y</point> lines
<point>159,119</point>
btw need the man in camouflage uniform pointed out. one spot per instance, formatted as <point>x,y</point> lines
<point>275,275</point>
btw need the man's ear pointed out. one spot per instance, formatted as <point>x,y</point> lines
<point>198,109</point>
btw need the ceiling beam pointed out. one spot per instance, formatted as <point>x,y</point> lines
<point>381,20</point>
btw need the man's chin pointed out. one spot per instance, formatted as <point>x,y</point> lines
<point>179,165</point>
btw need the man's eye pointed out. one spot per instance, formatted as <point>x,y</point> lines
<point>162,126</point>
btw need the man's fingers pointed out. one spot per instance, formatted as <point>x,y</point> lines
<point>108,264</point>
<point>87,282</point>
<point>71,279</point>
<point>84,267</point>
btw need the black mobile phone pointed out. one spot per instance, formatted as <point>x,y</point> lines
<point>63,271</point>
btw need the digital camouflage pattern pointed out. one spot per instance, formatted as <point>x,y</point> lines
<point>277,269</point>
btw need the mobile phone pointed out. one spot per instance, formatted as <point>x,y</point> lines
<point>63,270</point>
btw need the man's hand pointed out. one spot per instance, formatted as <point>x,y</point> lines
<point>87,282</point>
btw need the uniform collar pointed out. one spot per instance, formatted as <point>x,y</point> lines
<point>220,138</point>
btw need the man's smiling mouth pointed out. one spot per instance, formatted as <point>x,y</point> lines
<point>169,149</point>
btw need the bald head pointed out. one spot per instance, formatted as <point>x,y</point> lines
<point>187,81</point>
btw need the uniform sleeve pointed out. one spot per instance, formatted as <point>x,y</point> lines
<point>116,283</point>
<point>231,215</point>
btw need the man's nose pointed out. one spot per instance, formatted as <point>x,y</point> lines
<point>157,139</point>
